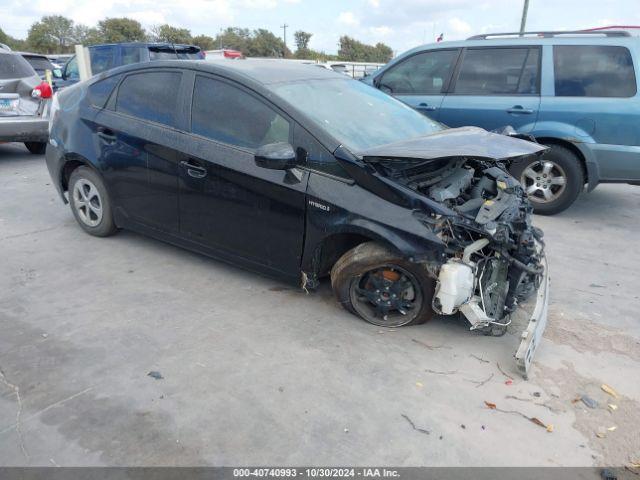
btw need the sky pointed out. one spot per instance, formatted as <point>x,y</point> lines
<point>401,24</point>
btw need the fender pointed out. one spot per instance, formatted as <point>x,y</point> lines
<point>580,138</point>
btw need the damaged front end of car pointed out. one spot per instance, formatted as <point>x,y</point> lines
<point>494,258</point>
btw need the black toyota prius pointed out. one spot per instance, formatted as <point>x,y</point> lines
<point>303,173</point>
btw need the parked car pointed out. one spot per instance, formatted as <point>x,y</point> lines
<point>105,57</point>
<point>40,63</point>
<point>24,103</point>
<point>300,173</point>
<point>576,92</point>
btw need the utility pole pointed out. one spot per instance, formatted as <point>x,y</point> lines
<point>284,28</point>
<point>523,22</point>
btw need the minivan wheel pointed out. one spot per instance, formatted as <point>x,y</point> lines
<point>552,182</point>
<point>90,203</point>
<point>381,287</point>
<point>37,148</point>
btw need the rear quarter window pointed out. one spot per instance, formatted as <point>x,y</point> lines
<point>100,92</point>
<point>14,66</point>
<point>593,71</point>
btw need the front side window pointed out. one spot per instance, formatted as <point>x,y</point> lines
<point>499,71</point>
<point>71,69</point>
<point>151,96</point>
<point>422,74</point>
<point>593,71</point>
<point>230,115</point>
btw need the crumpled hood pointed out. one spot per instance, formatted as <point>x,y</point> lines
<point>456,142</point>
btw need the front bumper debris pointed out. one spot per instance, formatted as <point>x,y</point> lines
<point>532,335</point>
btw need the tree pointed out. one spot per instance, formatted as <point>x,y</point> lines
<point>87,35</point>
<point>53,33</point>
<point>302,39</point>
<point>167,33</point>
<point>263,43</point>
<point>235,38</point>
<point>205,42</point>
<point>354,51</point>
<point>12,43</point>
<point>115,30</point>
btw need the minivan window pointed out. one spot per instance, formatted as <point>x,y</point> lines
<point>150,96</point>
<point>14,66</point>
<point>230,115</point>
<point>421,74</point>
<point>499,71</point>
<point>130,54</point>
<point>100,92</point>
<point>593,71</point>
<point>102,59</point>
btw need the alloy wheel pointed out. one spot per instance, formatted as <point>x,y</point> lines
<point>87,202</point>
<point>544,181</point>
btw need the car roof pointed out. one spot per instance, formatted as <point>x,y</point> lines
<point>146,44</point>
<point>262,72</point>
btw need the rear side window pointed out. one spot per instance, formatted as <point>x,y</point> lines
<point>100,91</point>
<point>14,66</point>
<point>593,71</point>
<point>230,115</point>
<point>499,71</point>
<point>130,55</point>
<point>422,74</point>
<point>150,96</point>
<point>102,59</point>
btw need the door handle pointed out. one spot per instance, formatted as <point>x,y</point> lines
<point>519,109</point>
<point>426,107</point>
<point>106,134</point>
<point>193,170</point>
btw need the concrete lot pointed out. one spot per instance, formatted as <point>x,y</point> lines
<point>257,372</point>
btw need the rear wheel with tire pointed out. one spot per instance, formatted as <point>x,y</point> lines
<point>37,148</point>
<point>552,182</point>
<point>90,202</point>
<point>381,287</point>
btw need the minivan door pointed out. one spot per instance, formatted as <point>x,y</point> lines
<point>494,87</point>
<point>248,214</point>
<point>420,80</point>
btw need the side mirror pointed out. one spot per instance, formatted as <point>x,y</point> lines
<point>276,156</point>
<point>57,73</point>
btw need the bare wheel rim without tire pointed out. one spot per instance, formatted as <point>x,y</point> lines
<point>387,295</point>
<point>544,181</point>
<point>87,202</point>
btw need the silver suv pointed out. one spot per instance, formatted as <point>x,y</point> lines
<point>24,103</point>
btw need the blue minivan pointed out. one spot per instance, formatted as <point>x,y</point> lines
<point>576,92</point>
<point>112,55</point>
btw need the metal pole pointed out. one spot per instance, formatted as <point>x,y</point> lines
<point>523,22</point>
<point>284,27</point>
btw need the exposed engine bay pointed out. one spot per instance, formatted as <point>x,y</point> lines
<point>493,253</point>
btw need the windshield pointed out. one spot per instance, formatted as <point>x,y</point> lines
<point>169,53</point>
<point>355,114</point>
<point>14,66</point>
<point>39,64</point>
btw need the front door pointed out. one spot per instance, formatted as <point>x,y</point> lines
<point>494,87</point>
<point>420,80</point>
<point>227,203</point>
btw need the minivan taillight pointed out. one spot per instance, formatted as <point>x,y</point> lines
<point>42,91</point>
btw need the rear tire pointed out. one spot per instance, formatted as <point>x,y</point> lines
<point>37,148</point>
<point>552,182</point>
<point>373,264</point>
<point>90,203</point>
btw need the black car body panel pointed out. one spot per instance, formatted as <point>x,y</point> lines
<point>434,199</point>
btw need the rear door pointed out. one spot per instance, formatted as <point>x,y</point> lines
<point>596,92</point>
<point>420,80</point>
<point>494,87</point>
<point>138,136</point>
<point>227,203</point>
